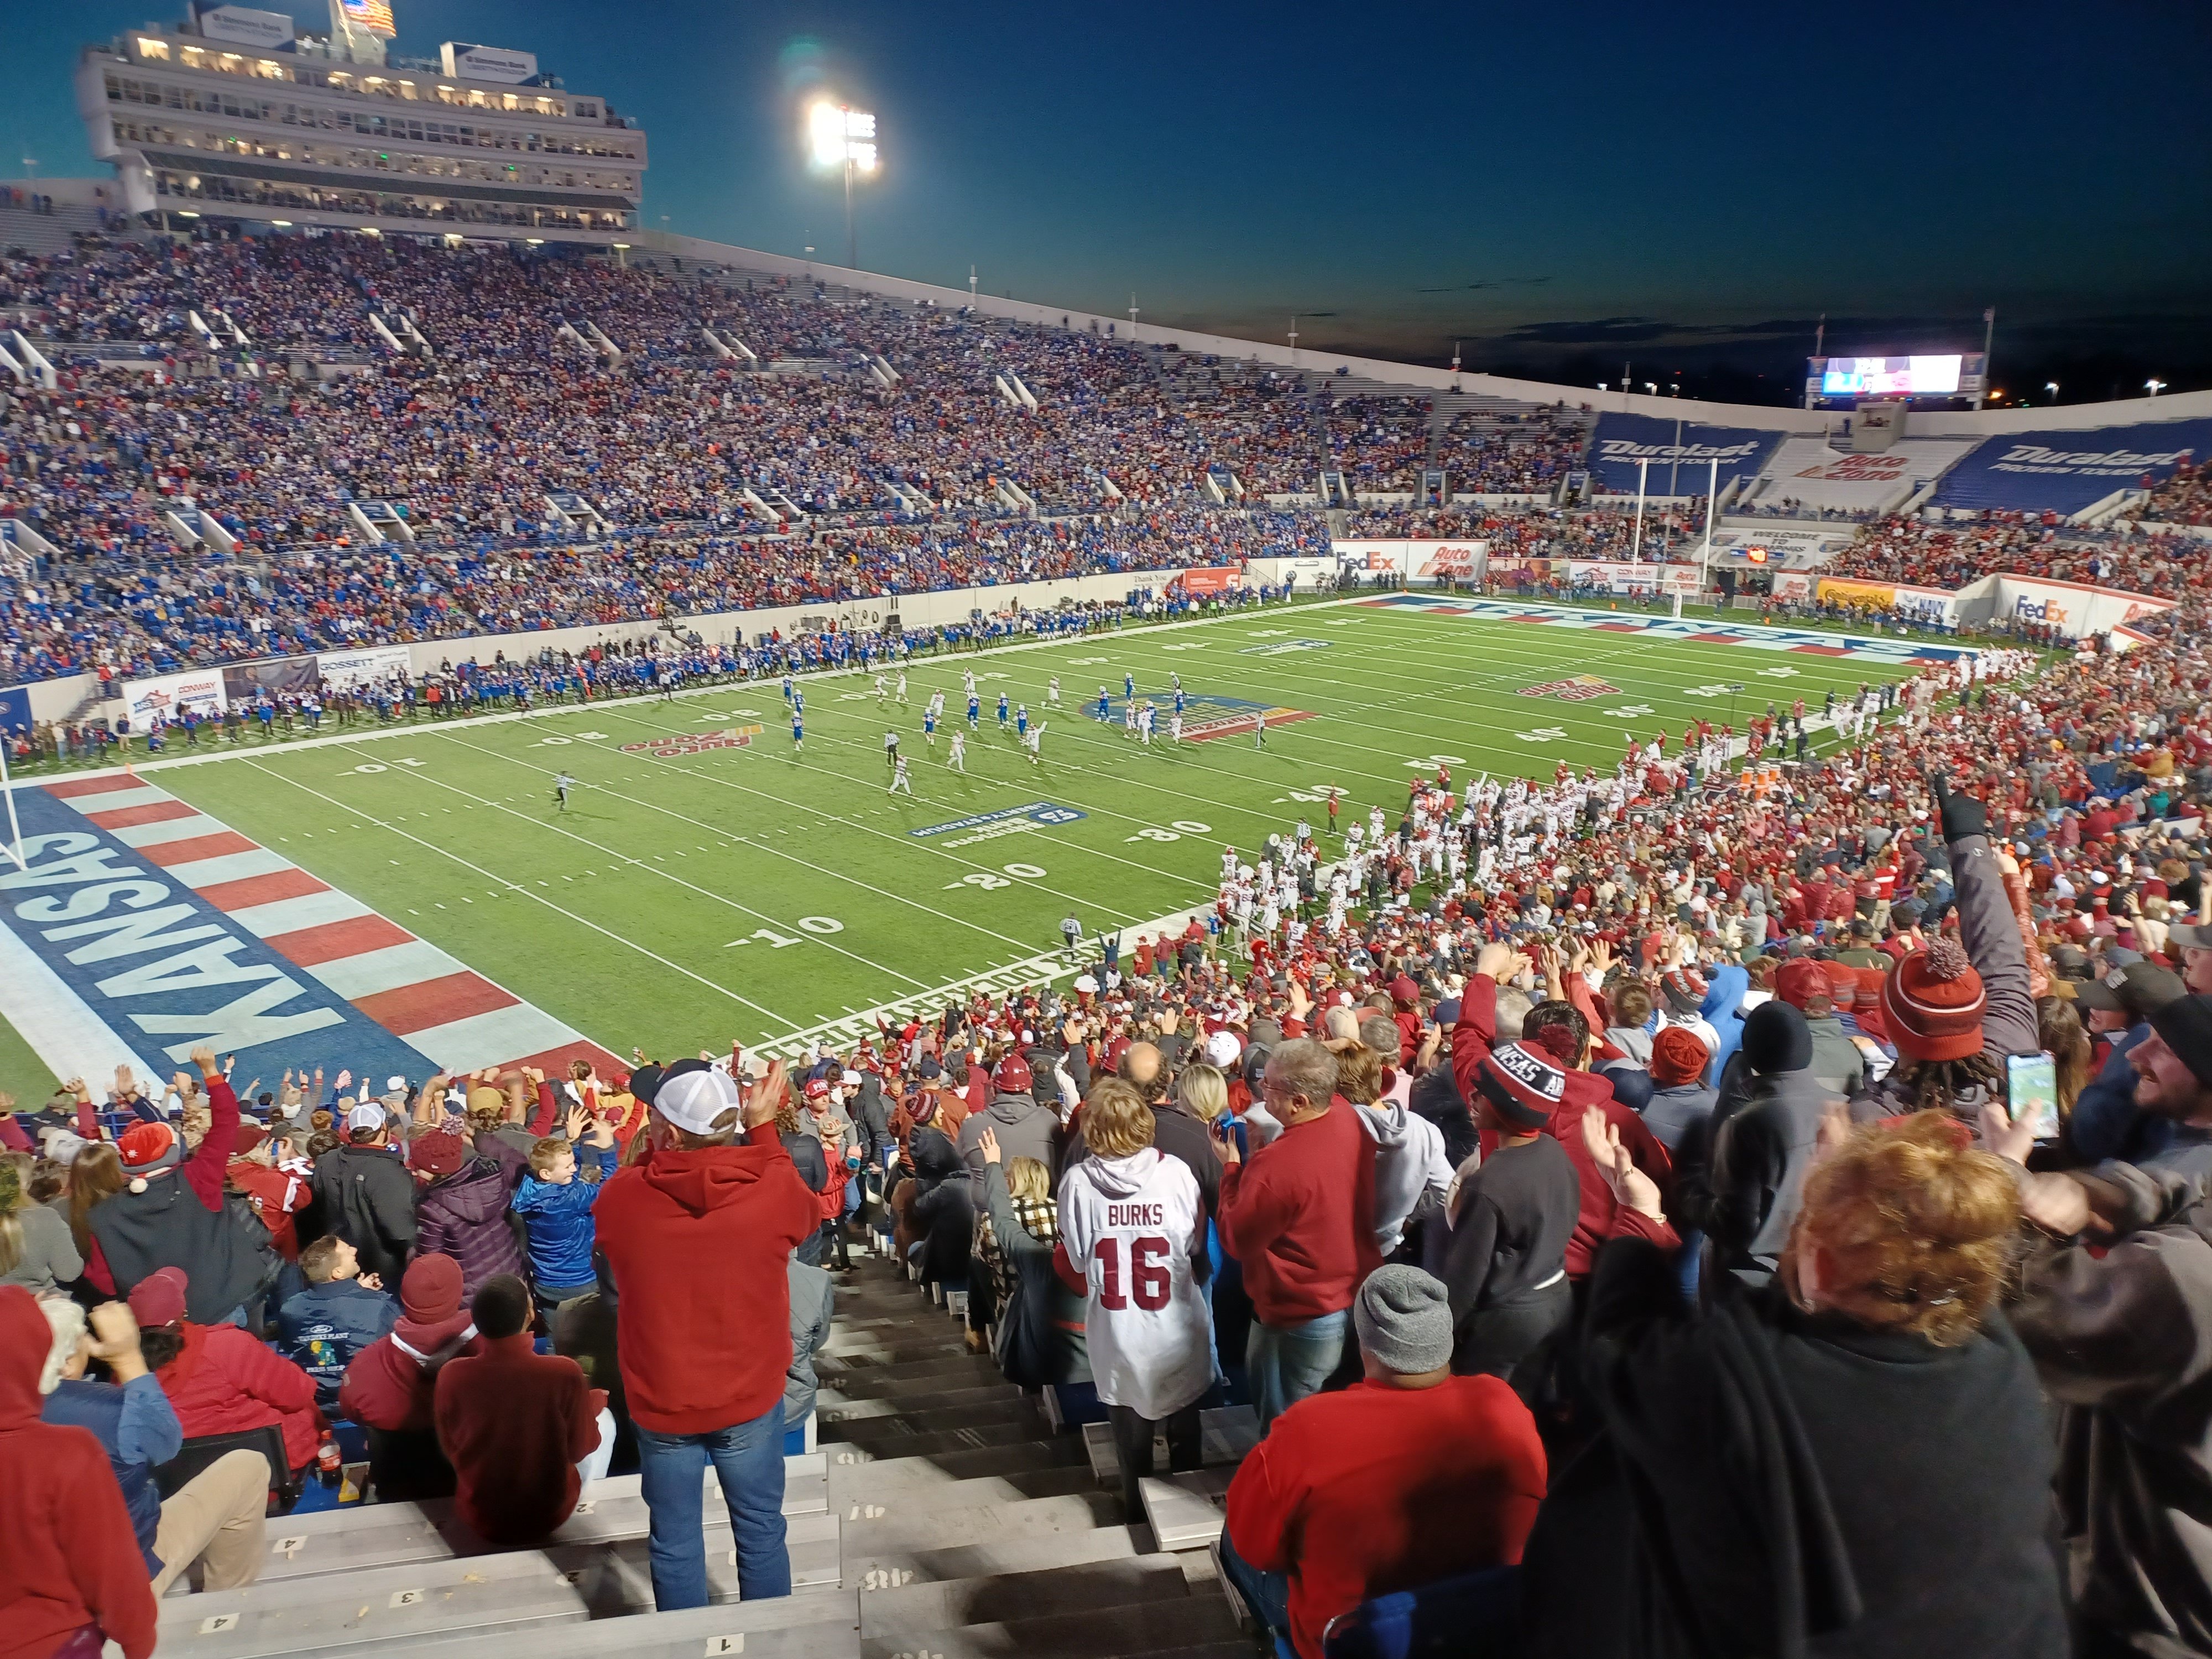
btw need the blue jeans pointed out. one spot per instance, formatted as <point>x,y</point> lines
<point>748,1458</point>
<point>1287,1363</point>
<point>1267,1595</point>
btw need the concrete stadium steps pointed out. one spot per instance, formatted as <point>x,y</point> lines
<point>942,1518</point>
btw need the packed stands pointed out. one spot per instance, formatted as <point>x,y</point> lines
<point>1519,1066</point>
<point>1379,443</point>
<point>2184,498</point>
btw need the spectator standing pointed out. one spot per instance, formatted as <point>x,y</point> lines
<point>365,1194</point>
<point>36,1251</point>
<point>2113,1310</point>
<point>813,1301</point>
<point>1885,1445</point>
<point>1132,1240</point>
<point>1503,1262</point>
<point>1410,1476</point>
<point>171,1213</point>
<point>74,1574</point>
<point>1762,1154</point>
<point>1039,1338</point>
<point>215,1521</point>
<point>514,1423</point>
<point>390,1388</point>
<point>1300,1217</point>
<point>555,1201</point>
<point>460,1209</point>
<point>1022,1126</point>
<point>697,1234</point>
<point>324,1328</point>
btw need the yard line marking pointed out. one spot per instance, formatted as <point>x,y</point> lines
<point>583,922</point>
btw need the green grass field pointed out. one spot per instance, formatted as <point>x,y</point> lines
<point>758,893</point>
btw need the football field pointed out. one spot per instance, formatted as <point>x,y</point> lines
<point>710,880</point>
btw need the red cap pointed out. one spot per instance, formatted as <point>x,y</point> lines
<point>1799,981</point>
<point>158,1299</point>
<point>1012,1076</point>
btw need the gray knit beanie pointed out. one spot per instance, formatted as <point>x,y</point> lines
<point>1403,1316</point>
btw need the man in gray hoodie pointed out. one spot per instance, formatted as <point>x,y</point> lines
<point>1024,1129</point>
<point>1760,1155</point>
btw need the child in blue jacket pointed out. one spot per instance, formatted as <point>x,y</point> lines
<point>555,1207</point>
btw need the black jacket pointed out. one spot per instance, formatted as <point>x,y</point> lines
<point>1778,1484</point>
<point>367,1199</point>
<point>1175,1132</point>
<point>1039,1338</point>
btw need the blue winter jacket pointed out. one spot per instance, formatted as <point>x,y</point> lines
<point>559,1221</point>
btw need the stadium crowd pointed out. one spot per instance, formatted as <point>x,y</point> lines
<point>1684,1197</point>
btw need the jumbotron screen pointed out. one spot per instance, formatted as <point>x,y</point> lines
<point>1891,377</point>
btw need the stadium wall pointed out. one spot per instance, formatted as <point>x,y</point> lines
<point>53,700</point>
<point>1967,424</point>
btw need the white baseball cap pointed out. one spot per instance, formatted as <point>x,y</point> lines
<point>693,1100</point>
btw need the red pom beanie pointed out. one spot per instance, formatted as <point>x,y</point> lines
<point>1933,1004</point>
<point>1678,1056</point>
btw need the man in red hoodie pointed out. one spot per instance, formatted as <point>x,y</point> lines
<point>698,1236</point>
<point>513,1422</point>
<point>74,1573</point>
<point>1301,1220</point>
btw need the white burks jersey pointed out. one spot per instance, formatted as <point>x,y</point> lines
<point>1129,1225</point>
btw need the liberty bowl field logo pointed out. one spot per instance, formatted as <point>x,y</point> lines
<point>693,743</point>
<point>1581,689</point>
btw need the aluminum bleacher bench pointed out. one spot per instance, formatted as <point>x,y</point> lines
<point>396,1534</point>
<point>421,1601</point>
<point>1227,1432</point>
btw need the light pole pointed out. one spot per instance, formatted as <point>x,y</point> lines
<point>2154,386</point>
<point>1132,317</point>
<point>2051,387</point>
<point>845,137</point>
<point>1294,330</point>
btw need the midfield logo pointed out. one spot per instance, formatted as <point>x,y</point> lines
<point>1581,689</point>
<point>694,742</point>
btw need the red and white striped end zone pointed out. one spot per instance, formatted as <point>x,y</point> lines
<point>453,1016</point>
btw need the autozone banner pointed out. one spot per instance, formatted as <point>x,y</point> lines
<point>167,697</point>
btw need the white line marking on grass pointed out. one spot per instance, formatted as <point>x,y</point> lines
<point>835,875</point>
<point>666,875</point>
<point>626,944</point>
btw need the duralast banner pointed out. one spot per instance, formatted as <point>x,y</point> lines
<point>1680,454</point>
<point>2067,472</point>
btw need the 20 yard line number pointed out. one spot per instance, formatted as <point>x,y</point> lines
<point>1175,831</point>
<point>988,881</point>
<point>821,926</point>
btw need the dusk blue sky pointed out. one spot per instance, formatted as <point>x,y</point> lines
<point>1543,181</point>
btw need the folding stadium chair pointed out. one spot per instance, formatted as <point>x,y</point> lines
<point>195,1454</point>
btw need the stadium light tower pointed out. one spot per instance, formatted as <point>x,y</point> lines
<point>843,136</point>
<point>2154,386</point>
<point>2051,387</point>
